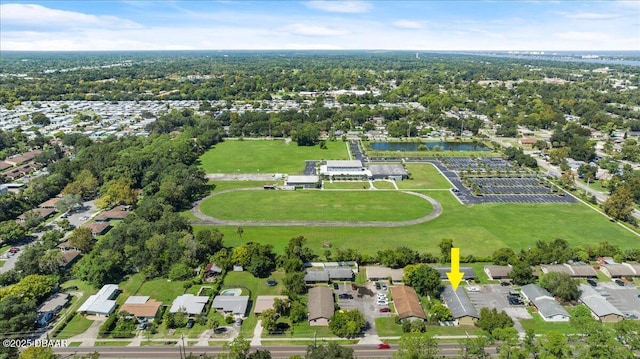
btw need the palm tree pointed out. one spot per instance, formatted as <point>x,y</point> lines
<point>240,230</point>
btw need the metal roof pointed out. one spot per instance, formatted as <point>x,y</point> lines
<point>231,303</point>
<point>597,303</point>
<point>543,300</point>
<point>101,302</point>
<point>458,303</point>
<point>190,303</point>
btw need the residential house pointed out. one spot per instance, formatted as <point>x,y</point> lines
<point>231,304</point>
<point>575,271</point>
<point>407,303</point>
<point>141,307</point>
<point>379,273</point>
<point>101,304</point>
<point>600,308</point>
<point>495,272</point>
<point>98,228</point>
<point>544,303</point>
<point>460,306</point>
<point>51,307</point>
<point>189,304</point>
<point>264,302</point>
<point>321,306</point>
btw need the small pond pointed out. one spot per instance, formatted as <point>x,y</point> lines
<point>413,146</point>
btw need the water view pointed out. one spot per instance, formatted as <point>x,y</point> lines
<point>430,146</point>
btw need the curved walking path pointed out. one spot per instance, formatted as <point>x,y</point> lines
<point>208,220</point>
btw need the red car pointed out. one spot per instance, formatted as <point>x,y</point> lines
<point>385,310</point>
<point>384,346</point>
<point>354,287</point>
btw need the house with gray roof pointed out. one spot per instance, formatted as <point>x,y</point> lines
<point>469,273</point>
<point>575,271</point>
<point>495,272</point>
<point>546,305</point>
<point>600,308</point>
<point>460,306</point>
<point>327,274</point>
<point>320,306</point>
<point>101,304</point>
<point>189,303</point>
<point>231,304</point>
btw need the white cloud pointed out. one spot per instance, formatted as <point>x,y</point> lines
<point>591,16</point>
<point>44,17</point>
<point>582,36</point>
<point>350,7</point>
<point>408,24</point>
<point>312,30</point>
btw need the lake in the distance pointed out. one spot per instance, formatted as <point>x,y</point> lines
<point>413,146</point>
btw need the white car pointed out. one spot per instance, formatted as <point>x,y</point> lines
<point>382,302</point>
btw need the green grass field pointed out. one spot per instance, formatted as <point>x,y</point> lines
<point>424,176</point>
<point>78,325</point>
<point>317,205</point>
<point>267,156</point>
<point>162,290</point>
<point>477,229</point>
<point>347,185</point>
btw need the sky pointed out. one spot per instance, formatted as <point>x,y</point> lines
<point>501,25</point>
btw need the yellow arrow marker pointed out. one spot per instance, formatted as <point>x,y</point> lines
<point>455,276</point>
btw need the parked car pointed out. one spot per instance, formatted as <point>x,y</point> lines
<point>190,323</point>
<point>72,287</point>
<point>238,322</point>
<point>384,346</point>
<point>383,287</point>
<point>382,302</point>
<point>345,296</point>
<point>385,310</point>
<point>378,286</point>
<point>505,284</point>
<point>630,316</point>
<point>354,287</point>
<point>336,286</point>
<point>143,326</point>
<point>592,282</point>
<point>619,282</point>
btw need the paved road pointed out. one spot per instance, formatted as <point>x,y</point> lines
<point>360,351</point>
<point>208,220</point>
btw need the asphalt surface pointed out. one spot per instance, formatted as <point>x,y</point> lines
<point>208,220</point>
<point>284,351</point>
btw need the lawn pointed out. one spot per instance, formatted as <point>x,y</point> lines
<point>112,343</point>
<point>424,176</point>
<point>387,327</point>
<point>347,185</point>
<point>476,229</point>
<point>267,156</point>
<point>162,290</point>
<point>317,205</point>
<point>539,326</point>
<point>247,281</point>
<point>383,185</point>
<point>79,324</point>
<point>129,287</point>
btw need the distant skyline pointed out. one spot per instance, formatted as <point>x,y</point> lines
<point>308,25</point>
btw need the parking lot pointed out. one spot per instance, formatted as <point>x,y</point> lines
<point>482,164</point>
<point>310,168</point>
<point>364,300</point>
<point>495,296</point>
<point>624,298</point>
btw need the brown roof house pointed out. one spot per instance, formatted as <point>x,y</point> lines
<point>98,228</point>
<point>407,304</point>
<point>320,306</point>
<point>264,302</point>
<point>117,213</point>
<point>143,308</point>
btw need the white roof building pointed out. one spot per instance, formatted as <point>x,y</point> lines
<point>189,303</point>
<point>101,303</point>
